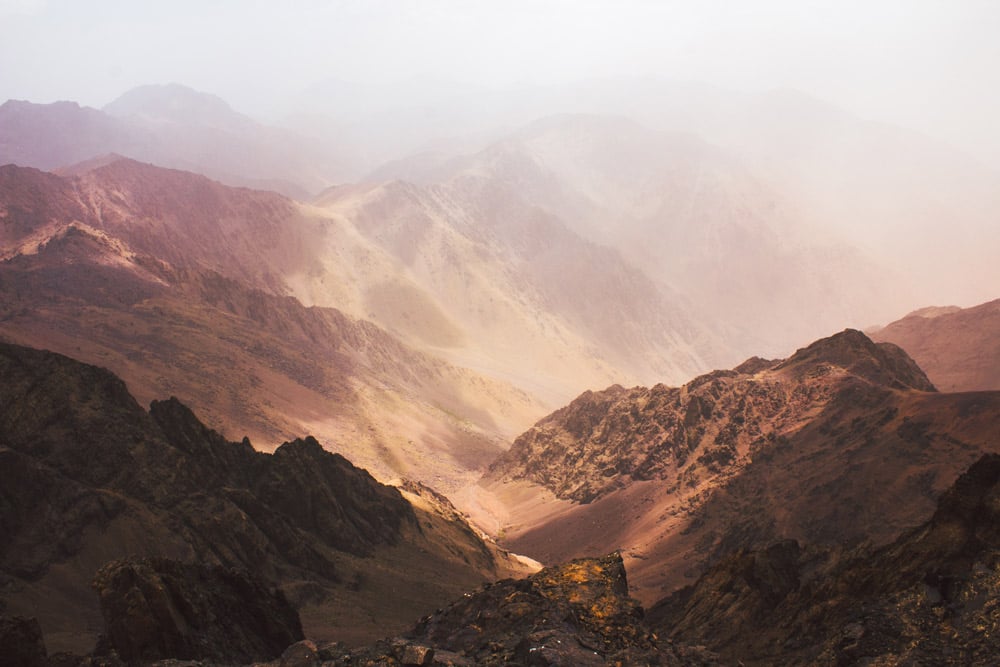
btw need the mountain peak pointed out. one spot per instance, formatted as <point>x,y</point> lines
<point>856,353</point>
<point>177,103</point>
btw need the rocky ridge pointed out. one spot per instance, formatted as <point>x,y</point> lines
<point>604,440</point>
<point>88,476</point>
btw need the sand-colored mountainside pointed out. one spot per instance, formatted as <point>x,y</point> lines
<point>692,217</point>
<point>958,347</point>
<point>844,441</point>
<point>88,477</point>
<point>508,288</point>
<point>175,282</point>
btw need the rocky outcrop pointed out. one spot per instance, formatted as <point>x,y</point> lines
<point>157,608</point>
<point>926,598</point>
<point>882,364</point>
<point>844,442</point>
<point>578,613</point>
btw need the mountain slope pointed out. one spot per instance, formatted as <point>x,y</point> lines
<point>497,269</point>
<point>844,441</point>
<point>180,285</point>
<point>958,347</point>
<point>89,477</point>
<point>692,217</point>
<point>925,598</point>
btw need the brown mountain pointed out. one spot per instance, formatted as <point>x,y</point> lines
<point>958,347</point>
<point>88,477</point>
<point>843,442</point>
<point>180,285</point>
<point>925,598</point>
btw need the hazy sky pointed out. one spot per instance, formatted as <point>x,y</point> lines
<point>930,65</point>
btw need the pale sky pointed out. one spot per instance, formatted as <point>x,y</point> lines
<point>931,65</point>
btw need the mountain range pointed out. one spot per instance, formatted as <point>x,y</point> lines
<point>510,326</point>
<point>173,126</point>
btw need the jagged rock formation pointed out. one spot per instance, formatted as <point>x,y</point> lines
<point>929,597</point>
<point>958,347</point>
<point>87,476</point>
<point>157,608</point>
<point>843,442</point>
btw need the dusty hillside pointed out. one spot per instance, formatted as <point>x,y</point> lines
<point>958,347</point>
<point>493,281</point>
<point>177,283</point>
<point>692,217</point>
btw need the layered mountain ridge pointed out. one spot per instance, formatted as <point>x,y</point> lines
<point>171,125</point>
<point>169,278</point>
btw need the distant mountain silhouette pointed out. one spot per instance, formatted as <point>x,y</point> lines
<point>173,126</point>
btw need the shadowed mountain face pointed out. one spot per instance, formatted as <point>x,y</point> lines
<point>958,347</point>
<point>926,598</point>
<point>156,609</point>
<point>843,442</point>
<point>88,476</point>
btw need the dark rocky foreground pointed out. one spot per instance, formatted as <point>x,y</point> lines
<point>87,477</point>
<point>158,608</point>
<point>929,598</point>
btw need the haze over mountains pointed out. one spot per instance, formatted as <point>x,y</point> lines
<point>417,290</point>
